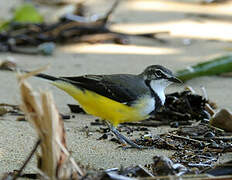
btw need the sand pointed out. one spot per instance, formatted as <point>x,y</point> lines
<point>191,40</point>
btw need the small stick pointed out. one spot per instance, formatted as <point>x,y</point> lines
<point>185,138</point>
<point>209,109</point>
<point>226,138</point>
<point>27,160</point>
<point>215,128</point>
<point>147,123</point>
<point>199,165</point>
<point>10,105</point>
<point>110,12</point>
<point>176,113</point>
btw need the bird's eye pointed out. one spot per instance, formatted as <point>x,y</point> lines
<point>158,73</point>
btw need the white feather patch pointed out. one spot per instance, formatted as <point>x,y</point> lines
<point>146,105</point>
<point>159,86</point>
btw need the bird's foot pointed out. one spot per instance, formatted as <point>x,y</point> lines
<point>124,140</point>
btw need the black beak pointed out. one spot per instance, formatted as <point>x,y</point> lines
<point>175,79</point>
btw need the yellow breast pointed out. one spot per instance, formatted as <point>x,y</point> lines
<point>103,107</point>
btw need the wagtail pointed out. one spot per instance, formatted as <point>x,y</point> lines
<point>118,98</point>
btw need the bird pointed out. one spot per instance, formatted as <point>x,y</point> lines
<point>118,98</point>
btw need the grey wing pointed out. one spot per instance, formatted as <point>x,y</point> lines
<point>124,88</point>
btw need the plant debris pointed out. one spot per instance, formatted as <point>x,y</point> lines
<point>224,169</point>
<point>213,1</point>
<point>7,65</point>
<point>76,109</point>
<point>216,66</point>
<point>183,106</point>
<point>71,28</point>
<point>54,160</point>
<point>163,166</point>
<point>197,146</point>
<point>9,109</point>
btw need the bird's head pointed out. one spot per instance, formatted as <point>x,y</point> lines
<point>158,78</point>
<point>158,72</point>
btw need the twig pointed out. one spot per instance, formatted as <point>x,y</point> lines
<point>223,138</point>
<point>175,113</point>
<point>27,160</point>
<point>209,109</point>
<point>215,128</point>
<point>187,138</point>
<point>147,123</point>
<point>110,12</point>
<point>209,16</point>
<point>199,165</point>
<point>10,105</point>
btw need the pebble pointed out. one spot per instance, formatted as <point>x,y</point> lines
<point>222,119</point>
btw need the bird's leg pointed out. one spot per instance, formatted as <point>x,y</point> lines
<point>124,139</point>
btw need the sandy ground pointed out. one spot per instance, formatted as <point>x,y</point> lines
<point>208,38</point>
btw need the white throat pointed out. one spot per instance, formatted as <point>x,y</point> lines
<point>158,87</point>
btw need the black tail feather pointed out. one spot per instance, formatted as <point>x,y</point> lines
<point>40,75</point>
<point>48,77</point>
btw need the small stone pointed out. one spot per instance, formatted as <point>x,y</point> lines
<point>222,119</point>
